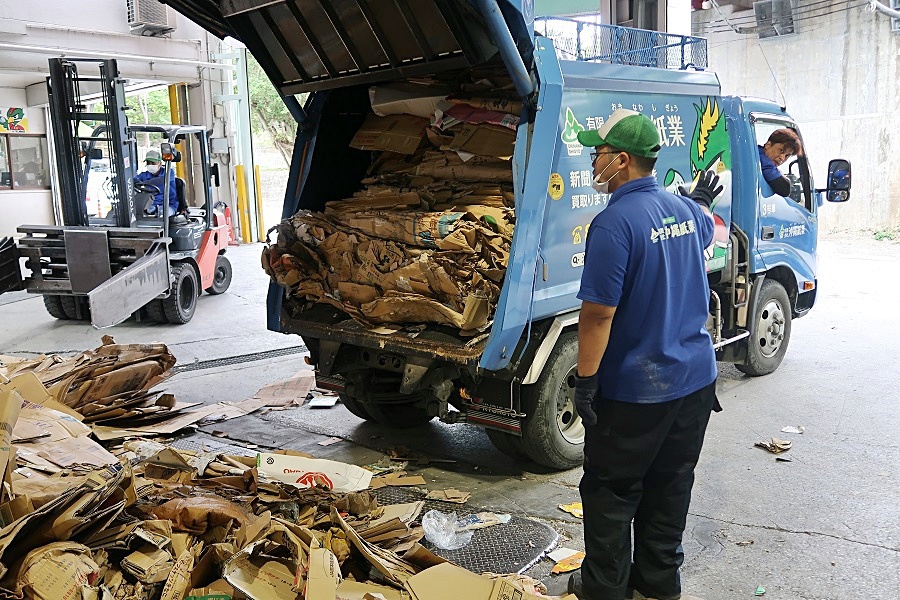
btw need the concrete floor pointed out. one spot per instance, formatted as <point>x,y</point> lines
<point>824,526</point>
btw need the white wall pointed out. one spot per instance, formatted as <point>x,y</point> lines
<point>31,32</point>
<point>18,207</point>
<point>840,79</point>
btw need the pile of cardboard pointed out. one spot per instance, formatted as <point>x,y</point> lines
<point>427,238</point>
<point>110,385</point>
<point>162,523</point>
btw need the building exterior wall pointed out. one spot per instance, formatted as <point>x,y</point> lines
<point>33,32</point>
<point>839,76</point>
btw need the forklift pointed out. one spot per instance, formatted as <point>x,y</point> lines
<point>107,267</point>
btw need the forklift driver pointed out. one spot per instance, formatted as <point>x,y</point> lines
<point>155,175</point>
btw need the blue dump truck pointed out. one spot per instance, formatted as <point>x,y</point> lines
<point>431,266</point>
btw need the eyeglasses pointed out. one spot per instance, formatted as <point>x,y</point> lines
<point>595,155</point>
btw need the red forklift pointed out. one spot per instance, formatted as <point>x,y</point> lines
<point>107,267</point>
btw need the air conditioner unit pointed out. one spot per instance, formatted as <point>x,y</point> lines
<point>774,17</point>
<point>149,17</point>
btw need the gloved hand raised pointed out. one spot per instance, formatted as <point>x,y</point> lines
<point>585,391</point>
<point>704,190</point>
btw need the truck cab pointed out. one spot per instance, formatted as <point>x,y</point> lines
<point>505,359</point>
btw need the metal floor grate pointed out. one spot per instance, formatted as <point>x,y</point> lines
<point>510,547</point>
<point>235,360</point>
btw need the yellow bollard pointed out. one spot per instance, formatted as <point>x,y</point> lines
<point>261,230</point>
<point>175,112</point>
<point>243,208</point>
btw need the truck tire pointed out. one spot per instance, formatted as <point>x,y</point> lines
<point>179,307</point>
<point>552,433</point>
<point>221,276</point>
<point>507,443</point>
<point>355,406</point>
<point>399,416</point>
<point>770,331</point>
<point>156,311</point>
<point>54,306</point>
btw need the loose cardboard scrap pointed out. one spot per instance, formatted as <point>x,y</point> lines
<point>395,133</point>
<point>575,509</point>
<point>449,495</point>
<point>775,446</point>
<point>566,560</point>
<point>323,575</point>
<point>57,570</point>
<point>355,590</point>
<point>311,472</point>
<point>197,514</point>
<point>397,480</point>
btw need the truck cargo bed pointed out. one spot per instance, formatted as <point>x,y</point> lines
<point>434,342</point>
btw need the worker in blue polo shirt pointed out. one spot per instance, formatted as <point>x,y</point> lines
<point>155,175</point>
<point>645,384</point>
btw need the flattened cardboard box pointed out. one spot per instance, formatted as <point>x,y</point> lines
<point>394,133</point>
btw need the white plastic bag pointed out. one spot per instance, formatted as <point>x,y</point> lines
<point>441,530</point>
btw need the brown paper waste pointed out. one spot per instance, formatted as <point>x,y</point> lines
<point>171,524</point>
<point>427,238</point>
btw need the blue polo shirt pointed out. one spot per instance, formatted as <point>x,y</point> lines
<point>770,170</point>
<point>644,255</point>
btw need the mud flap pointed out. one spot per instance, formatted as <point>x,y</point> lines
<point>10,273</point>
<point>127,291</point>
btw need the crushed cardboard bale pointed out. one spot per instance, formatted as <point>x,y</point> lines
<point>426,238</point>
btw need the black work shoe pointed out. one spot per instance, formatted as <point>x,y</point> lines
<point>574,586</point>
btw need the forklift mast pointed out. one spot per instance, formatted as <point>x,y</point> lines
<point>109,130</point>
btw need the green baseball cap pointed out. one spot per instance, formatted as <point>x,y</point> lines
<point>625,130</point>
<point>153,156</point>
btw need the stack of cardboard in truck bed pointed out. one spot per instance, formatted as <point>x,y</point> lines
<point>427,237</point>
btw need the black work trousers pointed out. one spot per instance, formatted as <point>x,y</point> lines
<point>639,466</point>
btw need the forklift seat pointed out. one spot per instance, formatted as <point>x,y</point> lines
<point>179,193</point>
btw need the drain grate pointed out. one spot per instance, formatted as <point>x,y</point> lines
<point>239,359</point>
<point>510,547</point>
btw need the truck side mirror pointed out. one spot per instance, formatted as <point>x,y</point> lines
<point>838,180</point>
<point>214,174</point>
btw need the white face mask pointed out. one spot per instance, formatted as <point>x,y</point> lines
<point>153,169</point>
<point>602,187</point>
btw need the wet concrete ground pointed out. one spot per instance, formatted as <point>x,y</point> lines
<point>824,526</point>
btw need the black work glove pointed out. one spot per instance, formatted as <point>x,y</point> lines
<point>704,190</point>
<point>585,391</point>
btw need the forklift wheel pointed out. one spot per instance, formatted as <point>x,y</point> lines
<point>156,311</point>
<point>221,276</point>
<point>182,301</point>
<point>54,306</point>
<point>75,308</point>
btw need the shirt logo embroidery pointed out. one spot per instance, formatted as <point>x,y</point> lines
<point>672,229</point>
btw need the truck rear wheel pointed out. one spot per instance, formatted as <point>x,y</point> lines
<point>355,406</point>
<point>553,434</point>
<point>54,306</point>
<point>179,307</point>
<point>507,443</point>
<point>770,331</point>
<point>401,416</point>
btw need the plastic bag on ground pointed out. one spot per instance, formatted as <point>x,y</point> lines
<point>440,530</point>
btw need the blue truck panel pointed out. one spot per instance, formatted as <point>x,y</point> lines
<point>761,265</point>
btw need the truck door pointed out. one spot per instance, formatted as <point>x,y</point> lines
<point>787,225</point>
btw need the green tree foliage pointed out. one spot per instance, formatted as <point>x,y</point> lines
<point>268,110</point>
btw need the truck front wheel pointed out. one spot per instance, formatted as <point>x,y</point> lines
<point>770,331</point>
<point>552,433</point>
